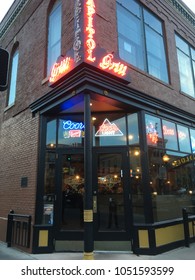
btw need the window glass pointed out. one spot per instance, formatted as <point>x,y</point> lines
<point>172,183</point>
<point>133,30</point>
<point>184,139</point>
<point>130,40</point>
<point>156,55</point>
<point>133,132</point>
<point>153,131</point>
<point>192,136</point>
<point>72,191</point>
<point>152,21</point>
<point>170,135</point>
<point>71,131</point>
<point>13,81</point>
<point>109,130</point>
<point>49,189</point>
<point>182,45</point>
<point>185,72</point>
<point>132,6</point>
<point>136,184</point>
<point>54,35</point>
<point>51,134</point>
<point>193,54</point>
<point>186,64</point>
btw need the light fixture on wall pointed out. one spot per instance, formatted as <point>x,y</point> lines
<point>165,158</point>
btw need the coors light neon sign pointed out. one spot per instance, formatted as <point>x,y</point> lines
<point>85,47</point>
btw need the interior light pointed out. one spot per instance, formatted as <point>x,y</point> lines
<point>166,158</point>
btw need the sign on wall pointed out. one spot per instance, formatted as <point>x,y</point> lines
<point>86,49</point>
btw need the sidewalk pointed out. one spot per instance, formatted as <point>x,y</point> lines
<point>182,253</point>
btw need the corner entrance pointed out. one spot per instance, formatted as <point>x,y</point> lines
<point>112,200</point>
<point>111,195</point>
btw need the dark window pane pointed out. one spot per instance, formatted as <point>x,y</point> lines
<point>184,139</point>
<point>170,135</point>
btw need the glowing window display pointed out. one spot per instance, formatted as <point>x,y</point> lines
<point>184,139</point>
<point>73,129</point>
<point>153,130</point>
<point>108,129</point>
<point>170,135</point>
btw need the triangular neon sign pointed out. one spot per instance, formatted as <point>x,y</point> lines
<point>108,129</point>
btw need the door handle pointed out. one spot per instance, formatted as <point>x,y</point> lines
<point>95,204</point>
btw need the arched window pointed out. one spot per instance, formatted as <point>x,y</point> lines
<point>54,35</point>
<point>13,78</point>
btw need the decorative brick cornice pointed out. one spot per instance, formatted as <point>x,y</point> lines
<point>12,17</point>
<point>183,11</point>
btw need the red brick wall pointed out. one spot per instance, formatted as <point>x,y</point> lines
<point>18,158</point>
<point>19,131</point>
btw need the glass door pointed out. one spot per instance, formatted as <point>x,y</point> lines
<point>70,193</point>
<point>112,201</point>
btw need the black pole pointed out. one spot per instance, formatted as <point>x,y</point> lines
<point>88,197</point>
<point>186,227</point>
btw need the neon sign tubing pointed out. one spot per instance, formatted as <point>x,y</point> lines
<point>90,42</point>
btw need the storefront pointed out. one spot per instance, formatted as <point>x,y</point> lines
<point>116,166</point>
<point>133,163</point>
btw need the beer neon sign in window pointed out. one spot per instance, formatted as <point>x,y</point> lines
<point>73,129</point>
<point>108,129</point>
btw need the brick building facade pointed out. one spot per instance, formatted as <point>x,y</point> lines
<point>133,197</point>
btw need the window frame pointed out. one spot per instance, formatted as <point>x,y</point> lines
<point>13,77</point>
<point>188,52</point>
<point>50,46</point>
<point>145,66</point>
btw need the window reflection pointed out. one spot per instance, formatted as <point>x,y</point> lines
<point>49,188</point>
<point>172,183</point>
<point>72,191</point>
<point>136,184</point>
<point>109,129</point>
<point>51,134</point>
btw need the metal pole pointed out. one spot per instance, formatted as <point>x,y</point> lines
<point>88,196</point>
<point>186,227</point>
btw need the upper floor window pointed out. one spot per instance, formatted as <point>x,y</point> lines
<point>13,78</point>
<point>140,39</point>
<point>54,35</point>
<point>186,62</point>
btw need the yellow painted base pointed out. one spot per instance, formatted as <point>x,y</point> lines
<point>88,256</point>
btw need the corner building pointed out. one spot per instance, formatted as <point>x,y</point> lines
<point>97,126</point>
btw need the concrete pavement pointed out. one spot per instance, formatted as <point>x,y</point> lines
<point>182,253</point>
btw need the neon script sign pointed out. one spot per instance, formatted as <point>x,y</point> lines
<point>90,42</point>
<point>107,62</point>
<point>59,69</point>
<point>85,47</point>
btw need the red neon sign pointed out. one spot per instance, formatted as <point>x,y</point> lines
<point>168,131</point>
<point>117,67</point>
<point>108,129</point>
<point>153,137</point>
<point>59,69</point>
<point>90,42</point>
<point>87,50</point>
